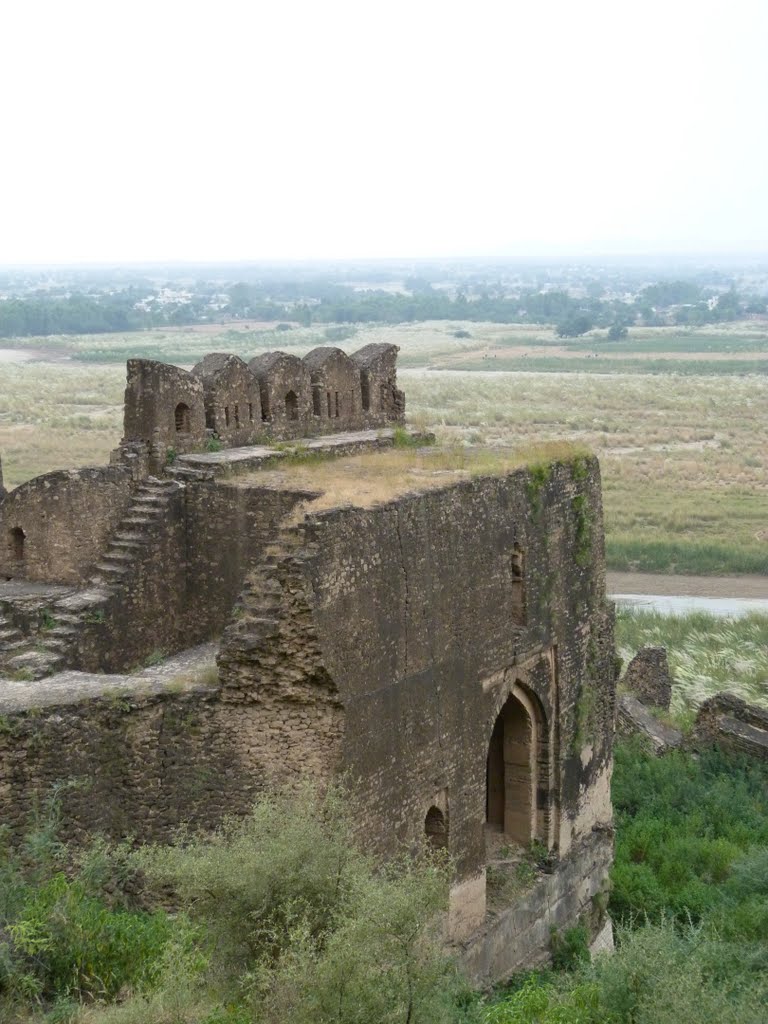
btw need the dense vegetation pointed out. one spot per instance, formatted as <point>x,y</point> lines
<point>327,300</point>
<point>280,918</point>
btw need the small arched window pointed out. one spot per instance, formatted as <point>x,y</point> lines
<point>517,564</point>
<point>317,402</point>
<point>15,544</point>
<point>182,419</point>
<point>435,829</point>
<point>291,406</point>
<point>16,540</point>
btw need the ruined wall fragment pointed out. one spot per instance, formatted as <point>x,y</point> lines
<point>232,399</point>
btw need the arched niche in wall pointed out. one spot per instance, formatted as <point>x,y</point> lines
<point>517,793</point>
<point>16,541</point>
<point>436,829</point>
<point>182,418</point>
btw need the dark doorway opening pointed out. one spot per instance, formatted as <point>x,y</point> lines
<point>436,829</point>
<point>16,538</point>
<point>182,419</point>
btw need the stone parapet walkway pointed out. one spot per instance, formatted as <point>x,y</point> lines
<point>194,668</point>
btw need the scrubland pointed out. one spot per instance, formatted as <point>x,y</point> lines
<point>684,454</point>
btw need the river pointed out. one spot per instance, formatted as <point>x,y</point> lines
<point>724,596</point>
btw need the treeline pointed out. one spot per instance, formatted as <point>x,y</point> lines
<point>345,305</point>
<point>81,314</point>
<point>320,301</point>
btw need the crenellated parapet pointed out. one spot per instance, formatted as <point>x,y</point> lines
<point>276,396</point>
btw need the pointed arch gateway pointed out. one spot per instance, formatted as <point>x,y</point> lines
<point>518,788</point>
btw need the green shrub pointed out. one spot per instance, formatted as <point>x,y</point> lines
<point>570,947</point>
<point>69,936</point>
<point>68,943</point>
<point>684,823</point>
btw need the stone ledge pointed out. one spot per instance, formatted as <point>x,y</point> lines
<point>68,688</point>
<point>520,937</point>
<point>633,717</point>
<point>231,461</point>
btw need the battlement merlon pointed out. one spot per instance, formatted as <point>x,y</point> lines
<point>275,396</point>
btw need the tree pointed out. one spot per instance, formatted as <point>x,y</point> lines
<point>573,326</point>
<point>616,332</point>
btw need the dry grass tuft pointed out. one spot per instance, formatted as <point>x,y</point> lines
<point>376,477</point>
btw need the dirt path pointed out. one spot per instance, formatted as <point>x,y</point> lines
<point>687,586</point>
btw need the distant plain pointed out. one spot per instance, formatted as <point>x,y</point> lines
<point>679,417</point>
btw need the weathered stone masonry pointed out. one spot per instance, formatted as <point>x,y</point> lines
<point>450,651</point>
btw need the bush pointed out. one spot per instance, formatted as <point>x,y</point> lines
<point>300,924</point>
<point>70,935</point>
<point>658,975</point>
<point>683,825</point>
<point>66,942</point>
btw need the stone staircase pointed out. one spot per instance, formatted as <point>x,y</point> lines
<point>34,654</point>
<point>149,505</point>
<point>13,643</point>
<point>51,647</point>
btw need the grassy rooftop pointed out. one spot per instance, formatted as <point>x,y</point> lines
<point>374,477</point>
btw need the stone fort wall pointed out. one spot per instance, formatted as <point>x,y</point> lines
<point>388,643</point>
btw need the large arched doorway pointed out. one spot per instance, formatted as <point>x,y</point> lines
<point>517,772</point>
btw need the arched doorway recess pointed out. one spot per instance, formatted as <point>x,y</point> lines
<point>517,771</point>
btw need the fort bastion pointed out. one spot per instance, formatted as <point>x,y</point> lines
<point>262,585</point>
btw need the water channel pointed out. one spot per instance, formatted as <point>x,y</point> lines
<point>723,607</point>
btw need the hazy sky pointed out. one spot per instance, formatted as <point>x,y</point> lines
<point>220,130</point>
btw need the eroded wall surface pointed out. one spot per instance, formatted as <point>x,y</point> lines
<point>59,521</point>
<point>387,643</point>
<point>431,614</point>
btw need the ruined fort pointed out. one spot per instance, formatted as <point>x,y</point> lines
<point>212,615</point>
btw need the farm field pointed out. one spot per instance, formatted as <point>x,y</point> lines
<point>683,448</point>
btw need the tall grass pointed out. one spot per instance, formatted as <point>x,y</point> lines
<point>639,552</point>
<point>706,654</point>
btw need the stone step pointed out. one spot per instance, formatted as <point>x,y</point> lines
<point>62,615</point>
<point>133,521</point>
<point>155,500</point>
<point>60,632</point>
<point>118,556</point>
<point>129,537</point>
<point>156,482</point>
<point>111,570</point>
<point>36,663</point>
<point>16,645</point>
<point>125,545</point>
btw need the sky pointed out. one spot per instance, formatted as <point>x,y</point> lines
<point>276,129</point>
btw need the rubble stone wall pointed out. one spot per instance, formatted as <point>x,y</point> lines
<point>53,527</point>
